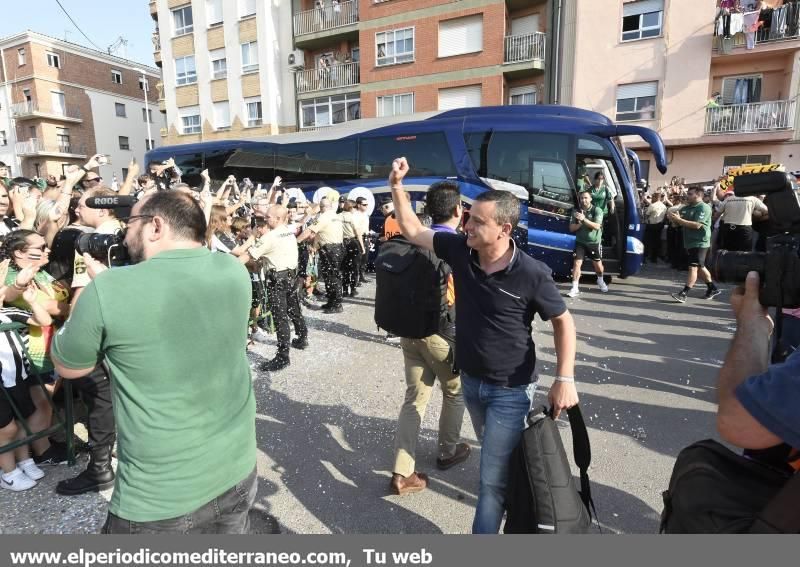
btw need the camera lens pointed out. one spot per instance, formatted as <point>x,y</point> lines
<point>733,267</point>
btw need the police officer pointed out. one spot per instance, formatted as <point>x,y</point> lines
<point>277,249</point>
<point>353,247</point>
<point>362,228</point>
<point>329,233</point>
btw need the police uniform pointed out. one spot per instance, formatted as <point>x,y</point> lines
<point>329,231</point>
<point>278,253</point>
<point>361,221</point>
<point>352,251</point>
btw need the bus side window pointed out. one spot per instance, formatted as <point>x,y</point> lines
<point>316,161</point>
<point>428,155</point>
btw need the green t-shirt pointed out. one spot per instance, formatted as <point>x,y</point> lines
<point>586,235</point>
<point>601,197</point>
<point>173,331</point>
<point>701,237</point>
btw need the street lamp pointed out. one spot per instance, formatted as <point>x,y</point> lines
<point>146,108</point>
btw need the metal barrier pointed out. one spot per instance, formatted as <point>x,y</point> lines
<point>67,424</point>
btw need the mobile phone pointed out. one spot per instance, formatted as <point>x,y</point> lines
<point>104,159</point>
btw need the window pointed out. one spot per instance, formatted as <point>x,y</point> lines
<point>3,138</point>
<point>252,108</point>
<point>143,83</point>
<point>58,100</point>
<point>461,35</point>
<point>538,162</point>
<point>149,145</point>
<point>247,8</point>
<point>53,60</point>
<point>396,46</point>
<point>219,64</point>
<point>460,97</point>
<point>190,121</point>
<point>182,20</point>
<point>730,162</point>
<point>124,143</point>
<point>185,71</point>
<point>119,109</point>
<point>644,169</point>
<point>741,90</point>
<point>637,101</point>
<point>642,19</point>
<point>124,173</point>
<point>21,56</point>
<point>222,115</point>
<point>116,77</point>
<point>316,160</point>
<point>522,95</point>
<point>393,105</point>
<point>147,115</point>
<point>250,57</point>
<point>214,12</point>
<point>62,137</point>
<point>32,131</point>
<point>328,110</point>
<point>428,154</point>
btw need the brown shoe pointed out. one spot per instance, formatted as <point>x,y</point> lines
<point>415,482</point>
<point>462,452</point>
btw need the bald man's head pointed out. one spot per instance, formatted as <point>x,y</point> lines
<point>276,216</point>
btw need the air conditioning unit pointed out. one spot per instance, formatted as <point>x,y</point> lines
<point>297,59</point>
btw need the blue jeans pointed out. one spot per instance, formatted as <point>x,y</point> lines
<point>498,415</point>
<point>225,514</point>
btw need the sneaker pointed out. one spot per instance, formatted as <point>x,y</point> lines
<point>680,297</point>
<point>300,343</point>
<point>601,284</point>
<point>55,455</point>
<point>462,452</point>
<point>712,293</point>
<point>390,338</point>
<point>30,469</point>
<point>574,292</point>
<point>17,481</point>
<point>333,309</point>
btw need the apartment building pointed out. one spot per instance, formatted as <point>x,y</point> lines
<point>242,69</point>
<point>61,103</point>
<point>657,63</point>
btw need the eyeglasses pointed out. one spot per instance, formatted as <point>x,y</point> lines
<point>137,217</point>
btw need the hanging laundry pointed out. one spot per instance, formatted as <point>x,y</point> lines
<point>751,25</point>
<point>778,29</point>
<point>737,23</point>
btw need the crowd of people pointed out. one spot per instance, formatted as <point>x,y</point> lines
<point>269,249</point>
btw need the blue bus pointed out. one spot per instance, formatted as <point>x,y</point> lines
<point>540,153</point>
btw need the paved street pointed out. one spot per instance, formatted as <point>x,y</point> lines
<point>647,369</point>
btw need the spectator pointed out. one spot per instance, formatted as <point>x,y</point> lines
<point>498,291</point>
<point>7,223</point>
<point>219,235</point>
<point>183,392</point>
<point>654,216</point>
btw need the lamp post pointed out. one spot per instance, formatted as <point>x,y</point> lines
<point>146,109</point>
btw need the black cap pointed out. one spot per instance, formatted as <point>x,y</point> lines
<point>342,198</point>
<point>22,182</point>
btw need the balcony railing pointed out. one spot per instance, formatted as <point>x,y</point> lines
<point>747,118</point>
<point>762,37</point>
<point>329,77</point>
<point>31,109</point>
<point>35,146</point>
<point>526,47</point>
<point>326,18</point>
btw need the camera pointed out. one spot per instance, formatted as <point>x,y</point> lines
<point>109,249</point>
<point>779,266</point>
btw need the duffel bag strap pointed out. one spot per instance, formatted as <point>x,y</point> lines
<point>782,514</point>
<point>582,453</point>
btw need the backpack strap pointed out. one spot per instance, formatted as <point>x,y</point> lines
<point>582,453</point>
<point>782,515</point>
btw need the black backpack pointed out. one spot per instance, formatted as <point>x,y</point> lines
<point>411,291</point>
<point>716,491</point>
<point>542,497</point>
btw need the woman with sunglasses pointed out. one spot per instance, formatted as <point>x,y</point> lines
<point>28,252</point>
<point>7,223</point>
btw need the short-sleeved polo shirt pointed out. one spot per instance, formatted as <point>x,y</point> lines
<point>278,248</point>
<point>495,311</point>
<point>697,237</point>
<point>328,228</point>
<point>586,235</point>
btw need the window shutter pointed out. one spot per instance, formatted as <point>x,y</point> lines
<point>462,35</point>
<point>637,90</point>
<point>525,25</point>
<point>642,7</point>
<point>460,97</point>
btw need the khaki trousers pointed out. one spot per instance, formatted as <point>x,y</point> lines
<point>425,360</point>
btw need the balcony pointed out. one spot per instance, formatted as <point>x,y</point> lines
<point>36,147</point>
<point>322,23</point>
<point>768,40</point>
<point>522,54</point>
<point>759,117</point>
<point>31,111</point>
<point>331,77</point>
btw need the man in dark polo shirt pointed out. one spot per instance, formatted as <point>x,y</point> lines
<point>499,290</point>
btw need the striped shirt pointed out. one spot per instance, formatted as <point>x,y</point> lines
<point>13,364</point>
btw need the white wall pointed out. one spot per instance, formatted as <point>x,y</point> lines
<point>108,127</point>
<point>7,153</point>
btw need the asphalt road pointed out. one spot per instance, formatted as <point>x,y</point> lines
<point>646,369</point>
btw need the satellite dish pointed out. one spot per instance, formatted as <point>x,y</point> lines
<point>296,194</point>
<point>367,194</point>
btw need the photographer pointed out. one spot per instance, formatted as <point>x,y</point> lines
<point>182,387</point>
<point>757,401</point>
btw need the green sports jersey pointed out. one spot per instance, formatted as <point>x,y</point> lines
<point>701,237</point>
<point>601,197</point>
<point>173,331</point>
<point>586,235</point>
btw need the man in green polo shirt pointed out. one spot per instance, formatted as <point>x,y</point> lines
<point>587,224</point>
<point>172,329</point>
<point>695,221</point>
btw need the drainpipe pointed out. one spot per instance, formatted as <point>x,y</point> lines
<point>11,128</point>
<point>555,63</point>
